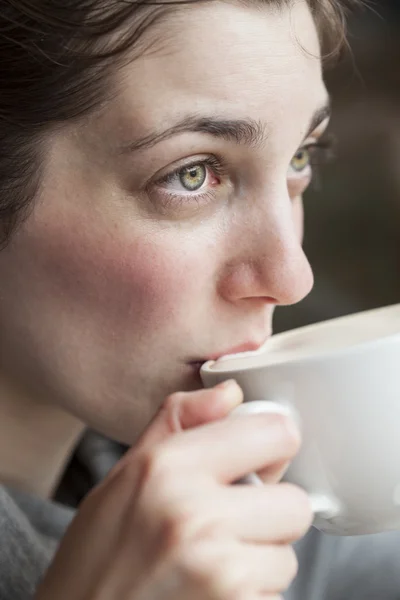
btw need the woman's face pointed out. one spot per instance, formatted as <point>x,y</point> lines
<point>169,225</point>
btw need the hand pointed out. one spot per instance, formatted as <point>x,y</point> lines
<point>167,525</point>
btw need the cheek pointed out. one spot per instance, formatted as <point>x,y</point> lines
<point>114,283</point>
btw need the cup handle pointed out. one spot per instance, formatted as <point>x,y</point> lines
<point>322,505</point>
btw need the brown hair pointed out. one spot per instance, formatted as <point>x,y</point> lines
<point>55,60</point>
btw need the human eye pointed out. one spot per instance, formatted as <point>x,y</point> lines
<point>197,181</point>
<point>305,163</point>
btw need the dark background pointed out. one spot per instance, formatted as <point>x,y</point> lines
<point>352,221</point>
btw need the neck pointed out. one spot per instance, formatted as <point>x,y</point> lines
<point>36,442</point>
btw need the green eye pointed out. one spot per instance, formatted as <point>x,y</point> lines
<point>301,160</point>
<point>193,177</point>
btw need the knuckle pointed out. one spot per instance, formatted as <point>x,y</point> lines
<point>178,526</point>
<point>157,478</point>
<point>166,497</point>
<point>157,463</point>
<point>184,522</point>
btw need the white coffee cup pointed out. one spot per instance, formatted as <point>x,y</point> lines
<point>341,381</point>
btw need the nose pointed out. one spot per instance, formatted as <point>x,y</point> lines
<point>268,263</point>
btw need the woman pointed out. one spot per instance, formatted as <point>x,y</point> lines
<point>152,167</point>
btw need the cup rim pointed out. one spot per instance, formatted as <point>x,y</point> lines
<point>322,354</point>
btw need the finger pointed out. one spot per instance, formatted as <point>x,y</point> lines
<point>229,449</point>
<point>185,410</point>
<point>231,569</point>
<point>192,409</point>
<point>279,513</point>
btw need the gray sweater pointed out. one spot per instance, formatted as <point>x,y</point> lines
<point>331,568</point>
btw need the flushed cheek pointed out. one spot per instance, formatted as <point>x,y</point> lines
<point>92,310</point>
<point>118,284</point>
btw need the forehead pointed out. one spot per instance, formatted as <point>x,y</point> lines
<point>227,58</point>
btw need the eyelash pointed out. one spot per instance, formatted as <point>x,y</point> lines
<point>321,152</point>
<point>212,162</point>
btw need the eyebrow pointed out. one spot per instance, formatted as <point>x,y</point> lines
<point>246,132</point>
<point>241,131</point>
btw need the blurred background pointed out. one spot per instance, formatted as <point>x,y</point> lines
<point>352,235</point>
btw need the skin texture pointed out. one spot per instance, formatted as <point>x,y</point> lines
<point>112,288</point>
